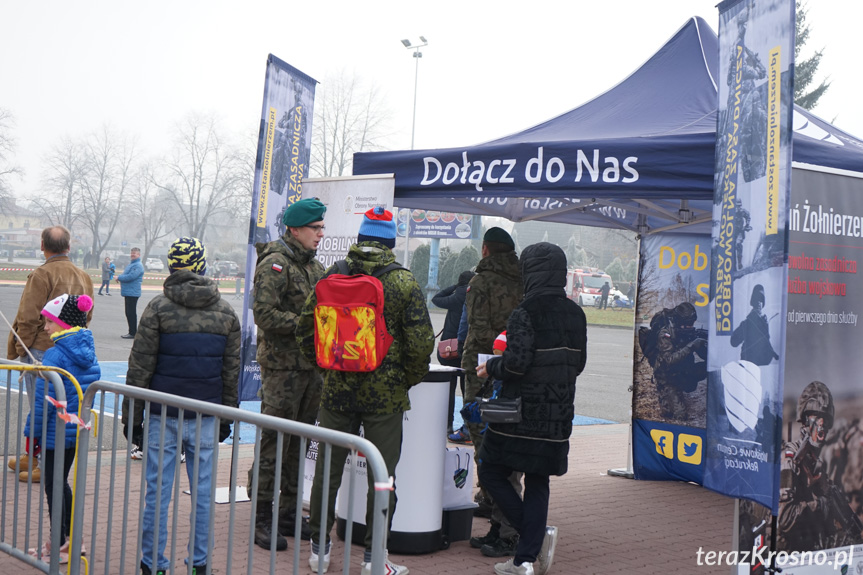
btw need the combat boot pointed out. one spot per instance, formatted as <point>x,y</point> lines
<point>287,522</point>
<point>264,532</point>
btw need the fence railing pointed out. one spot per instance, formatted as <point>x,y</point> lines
<point>110,488</point>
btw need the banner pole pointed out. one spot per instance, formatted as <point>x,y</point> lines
<point>627,472</point>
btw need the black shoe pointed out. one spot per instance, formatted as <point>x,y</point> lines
<point>146,570</point>
<point>100,293</point>
<point>487,539</point>
<point>500,548</point>
<point>199,569</point>
<point>128,336</point>
<point>263,536</point>
<point>287,524</point>
<point>107,293</point>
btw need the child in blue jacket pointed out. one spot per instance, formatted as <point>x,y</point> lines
<point>75,352</point>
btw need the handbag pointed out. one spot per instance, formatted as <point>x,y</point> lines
<point>448,349</point>
<point>497,410</point>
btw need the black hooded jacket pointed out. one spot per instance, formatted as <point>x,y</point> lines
<point>546,350</point>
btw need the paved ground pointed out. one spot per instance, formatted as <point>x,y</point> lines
<point>607,525</point>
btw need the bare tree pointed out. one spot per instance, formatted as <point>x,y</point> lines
<point>349,117</point>
<point>7,149</point>
<point>66,164</point>
<point>110,158</point>
<point>150,207</point>
<point>202,175</point>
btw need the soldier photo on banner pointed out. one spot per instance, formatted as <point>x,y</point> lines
<point>670,373</point>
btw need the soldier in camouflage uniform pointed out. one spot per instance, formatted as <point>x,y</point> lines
<point>285,274</point>
<point>676,371</point>
<point>493,293</point>
<point>377,399</point>
<point>187,344</point>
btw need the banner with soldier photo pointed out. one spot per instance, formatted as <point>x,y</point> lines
<point>284,149</point>
<point>748,295</point>
<point>821,443</point>
<point>669,391</point>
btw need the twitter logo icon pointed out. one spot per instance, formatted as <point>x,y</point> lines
<point>689,449</point>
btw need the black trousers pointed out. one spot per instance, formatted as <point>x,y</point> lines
<point>527,517</point>
<point>132,314</point>
<point>51,476</point>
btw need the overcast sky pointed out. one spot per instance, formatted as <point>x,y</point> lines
<point>491,67</point>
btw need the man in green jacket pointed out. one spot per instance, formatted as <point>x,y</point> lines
<point>375,399</point>
<point>285,274</point>
<point>492,294</point>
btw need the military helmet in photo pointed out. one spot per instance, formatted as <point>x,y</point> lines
<point>816,399</point>
<point>685,314</point>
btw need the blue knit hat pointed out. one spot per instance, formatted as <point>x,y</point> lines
<point>378,226</point>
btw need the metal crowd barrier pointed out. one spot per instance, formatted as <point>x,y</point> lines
<point>109,488</point>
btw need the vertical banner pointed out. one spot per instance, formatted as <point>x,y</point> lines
<point>669,390</point>
<point>748,279</point>
<point>284,149</point>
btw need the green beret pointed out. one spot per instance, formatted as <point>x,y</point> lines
<point>500,236</point>
<point>304,212</point>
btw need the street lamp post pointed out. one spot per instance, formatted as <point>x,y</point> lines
<point>417,55</point>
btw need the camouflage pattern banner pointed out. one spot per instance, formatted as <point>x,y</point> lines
<point>669,387</point>
<point>748,277</point>
<point>284,149</point>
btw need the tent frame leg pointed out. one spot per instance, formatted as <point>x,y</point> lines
<point>627,472</point>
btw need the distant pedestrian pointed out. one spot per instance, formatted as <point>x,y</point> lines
<point>603,293</point>
<point>108,270</point>
<point>130,288</point>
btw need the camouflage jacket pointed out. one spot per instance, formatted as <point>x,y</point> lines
<point>493,293</point>
<point>188,344</point>
<point>285,275</point>
<point>385,390</point>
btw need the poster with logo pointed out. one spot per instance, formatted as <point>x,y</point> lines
<point>669,391</point>
<point>434,224</point>
<point>284,148</point>
<point>748,279</point>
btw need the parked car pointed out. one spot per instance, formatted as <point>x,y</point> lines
<point>226,268</point>
<point>154,265</point>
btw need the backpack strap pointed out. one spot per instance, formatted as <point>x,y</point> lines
<point>387,268</point>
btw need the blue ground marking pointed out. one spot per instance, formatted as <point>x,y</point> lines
<point>115,371</point>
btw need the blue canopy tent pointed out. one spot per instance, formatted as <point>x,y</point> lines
<point>638,157</point>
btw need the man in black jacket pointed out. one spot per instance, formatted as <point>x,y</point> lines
<point>452,300</point>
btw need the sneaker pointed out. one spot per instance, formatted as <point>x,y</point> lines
<point>137,454</point>
<point>461,436</point>
<point>287,525</point>
<point>390,568</point>
<point>509,568</point>
<point>546,552</point>
<point>501,548</point>
<point>182,457</point>
<point>146,570</point>
<point>128,336</point>
<point>487,539</point>
<point>108,293</point>
<point>199,569</point>
<point>314,557</point>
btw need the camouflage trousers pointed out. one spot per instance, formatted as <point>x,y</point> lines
<point>288,394</point>
<point>671,401</point>
<point>473,387</point>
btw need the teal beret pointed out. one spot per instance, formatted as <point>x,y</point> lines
<point>304,212</point>
<point>500,236</point>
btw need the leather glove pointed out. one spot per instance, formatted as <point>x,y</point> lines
<point>224,431</point>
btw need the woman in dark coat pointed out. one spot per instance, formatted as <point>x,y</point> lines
<point>546,351</point>
<point>452,300</point>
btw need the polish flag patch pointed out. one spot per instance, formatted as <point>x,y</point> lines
<point>277,267</point>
